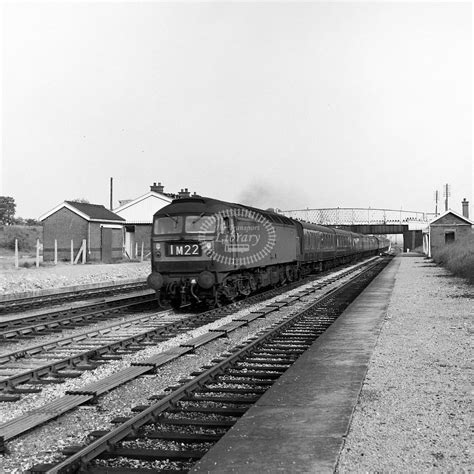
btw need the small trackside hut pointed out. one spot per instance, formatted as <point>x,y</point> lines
<point>101,229</point>
<point>445,229</point>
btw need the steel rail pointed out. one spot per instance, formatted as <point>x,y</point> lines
<point>52,314</point>
<point>88,356</point>
<point>65,341</point>
<point>151,414</point>
<point>73,315</point>
<point>10,383</point>
<point>18,303</point>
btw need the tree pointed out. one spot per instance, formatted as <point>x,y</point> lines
<point>7,210</point>
<point>19,221</point>
<point>26,221</point>
<point>29,221</point>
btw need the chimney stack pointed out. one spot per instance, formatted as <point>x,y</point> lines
<point>157,188</point>
<point>465,208</point>
<point>184,193</point>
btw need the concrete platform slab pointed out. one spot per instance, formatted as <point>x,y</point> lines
<point>300,423</point>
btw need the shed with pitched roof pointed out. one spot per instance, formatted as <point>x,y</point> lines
<point>445,229</point>
<point>74,222</point>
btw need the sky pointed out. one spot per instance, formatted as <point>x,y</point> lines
<point>288,105</point>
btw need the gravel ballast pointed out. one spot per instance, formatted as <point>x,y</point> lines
<point>38,446</point>
<point>18,280</point>
<point>415,406</point>
<point>414,409</point>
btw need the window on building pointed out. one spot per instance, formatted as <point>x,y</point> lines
<point>449,237</point>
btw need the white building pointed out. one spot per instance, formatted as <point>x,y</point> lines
<point>138,215</point>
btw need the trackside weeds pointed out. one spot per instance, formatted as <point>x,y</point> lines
<point>458,257</point>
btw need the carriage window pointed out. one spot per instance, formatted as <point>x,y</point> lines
<point>168,225</point>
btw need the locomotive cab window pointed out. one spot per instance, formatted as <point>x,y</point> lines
<point>168,225</point>
<point>200,224</point>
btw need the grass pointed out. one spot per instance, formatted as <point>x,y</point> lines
<point>458,257</point>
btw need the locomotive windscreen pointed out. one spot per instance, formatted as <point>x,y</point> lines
<point>192,225</point>
<point>168,225</point>
<point>200,224</point>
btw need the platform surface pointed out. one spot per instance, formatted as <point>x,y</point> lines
<point>299,424</point>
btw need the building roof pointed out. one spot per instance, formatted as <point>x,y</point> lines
<point>141,209</point>
<point>90,212</point>
<point>459,216</point>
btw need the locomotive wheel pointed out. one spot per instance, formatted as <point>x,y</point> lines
<point>252,283</point>
<point>244,287</point>
<point>222,297</point>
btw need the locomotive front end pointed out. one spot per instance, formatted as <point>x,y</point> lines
<point>183,271</point>
<point>210,252</point>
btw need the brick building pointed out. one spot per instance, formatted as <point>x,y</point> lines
<point>100,228</point>
<point>446,228</point>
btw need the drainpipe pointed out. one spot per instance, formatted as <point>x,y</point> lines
<point>429,242</point>
<point>89,239</point>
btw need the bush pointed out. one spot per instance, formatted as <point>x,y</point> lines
<point>458,257</point>
<point>26,236</point>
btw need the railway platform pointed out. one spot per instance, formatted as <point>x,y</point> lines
<point>300,423</point>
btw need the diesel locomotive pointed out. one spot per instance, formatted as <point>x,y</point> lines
<point>209,252</point>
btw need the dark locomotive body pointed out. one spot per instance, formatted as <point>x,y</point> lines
<point>209,251</point>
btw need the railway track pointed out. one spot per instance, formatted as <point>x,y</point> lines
<point>177,428</point>
<point>77,397</point>
<point>16,303</point>
<point>16,328</point>
<point>29,369</point>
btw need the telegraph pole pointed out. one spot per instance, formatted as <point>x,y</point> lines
<point>446,193</point>
<point>111,192</point>
<point>436,201</point>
